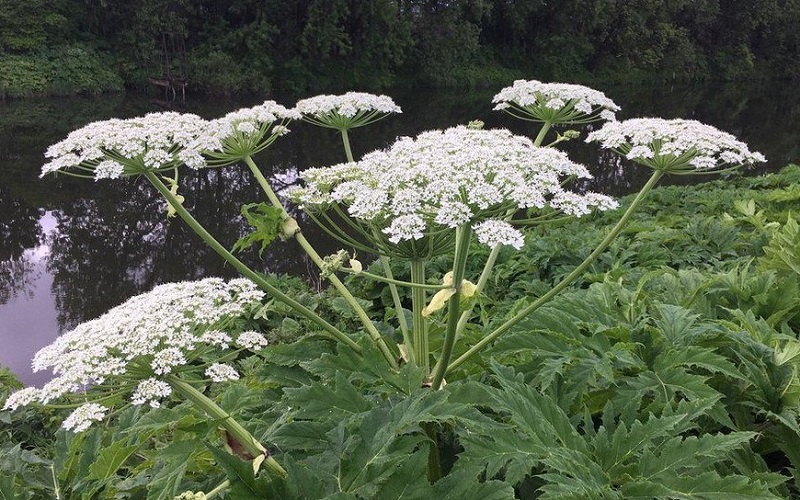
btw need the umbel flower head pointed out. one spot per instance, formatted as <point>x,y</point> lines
<point>413,195</point>
<point>131,346</point>
<point>247,131</point>
<point>675,146</point>
<point>118,148</point>
<point>343,112</point>
<point>555,103</point>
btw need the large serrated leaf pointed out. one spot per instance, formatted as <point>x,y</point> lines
<point>705,486</point>
<point>506,453</point>
<point>690,452</point>
<point>166,482</point>
<point>110,459</point>
<point>267,223</point>
<point>318,401</point>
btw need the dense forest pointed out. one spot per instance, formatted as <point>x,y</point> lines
<point>231,46</point>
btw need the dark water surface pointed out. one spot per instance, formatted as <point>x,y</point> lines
<point>70,250</point>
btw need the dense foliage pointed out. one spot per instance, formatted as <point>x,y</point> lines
<point>256,46</point>
<point>671,370</point>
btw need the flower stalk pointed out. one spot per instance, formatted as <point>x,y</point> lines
<point>335,281</point>
<point>242,436</point>
<point>463,235</point>
<point>623,221</point>
<point>419,348</point>
<point>242,267</point>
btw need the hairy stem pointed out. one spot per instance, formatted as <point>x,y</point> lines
<point>246,271</point>
<point>420,344</point>
<point>398,306</point>
<point>242,436</point>
<point>463,234</point>
<point>488,339</point>
<point>346,142</point>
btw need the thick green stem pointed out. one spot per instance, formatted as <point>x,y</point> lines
<point>224,485</point>
<point>488,339</point>
<point>346,142</point>
<point>242,267</point>
<point>398,306</point>
<point>420,341</point>
<point>434,456</point>
<point>242,436</point>
<point>484,278</point>
<point>337,283</point>
<point>542,132</point>
<point>463,234</point>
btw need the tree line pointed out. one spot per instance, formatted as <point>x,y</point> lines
<point>311,45</point>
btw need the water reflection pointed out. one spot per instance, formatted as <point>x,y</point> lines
<point>73,249</point>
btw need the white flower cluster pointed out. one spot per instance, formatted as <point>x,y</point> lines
<point>348,104</point>
<point>220,372</point>
<point>556,102</point>
<point>353,109</point>
<point>251,340</point>
<point>80,419</point>
<point>151,391</point>
<point>249,121</point>
<point>150,334</point>
<point>679,146</point>
<point>443,179</point>
<point>113,148</point>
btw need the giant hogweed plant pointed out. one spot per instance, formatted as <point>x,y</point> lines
<point>361,409</point>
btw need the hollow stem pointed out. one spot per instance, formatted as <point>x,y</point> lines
<point>420,326</point>
<point>242,436</point>
<point>463,234</point>
<point>224,485</point>
<point>335,281</point>
<point>488,339</point>
<point>246,271</point>
<point>542,133</point>
<point>484,278</point>
<point>398,306</point>
<point>346,142</point>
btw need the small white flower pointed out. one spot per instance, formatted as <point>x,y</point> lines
<point>82,418</point>
<point>680,146</point>
<point>108,169</point>
<point>154,141</point>
<point>555,102</point>
<point>495,232</point>
<point>251,340</point>
<point>353,109</point>
<point>219,372</point>
<point>162,327</point>
<point>216,338</point>
<point>22,397</point>
<point>151,391</point>
<point>405,227</point>
<point>167,359</point>
<point>440,180</point>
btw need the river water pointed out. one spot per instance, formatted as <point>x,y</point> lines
<point>70,250</point>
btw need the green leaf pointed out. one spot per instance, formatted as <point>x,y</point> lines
<point>321,401</point>
<point>267,222</point>
<point>704,486</point>
<point>110,459</point>
<point>166,481</point>
<point>8,490</point>
<point>244,484</point>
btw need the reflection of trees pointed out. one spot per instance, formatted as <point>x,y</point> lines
<point>119,242</point>
<point>19,230</point>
